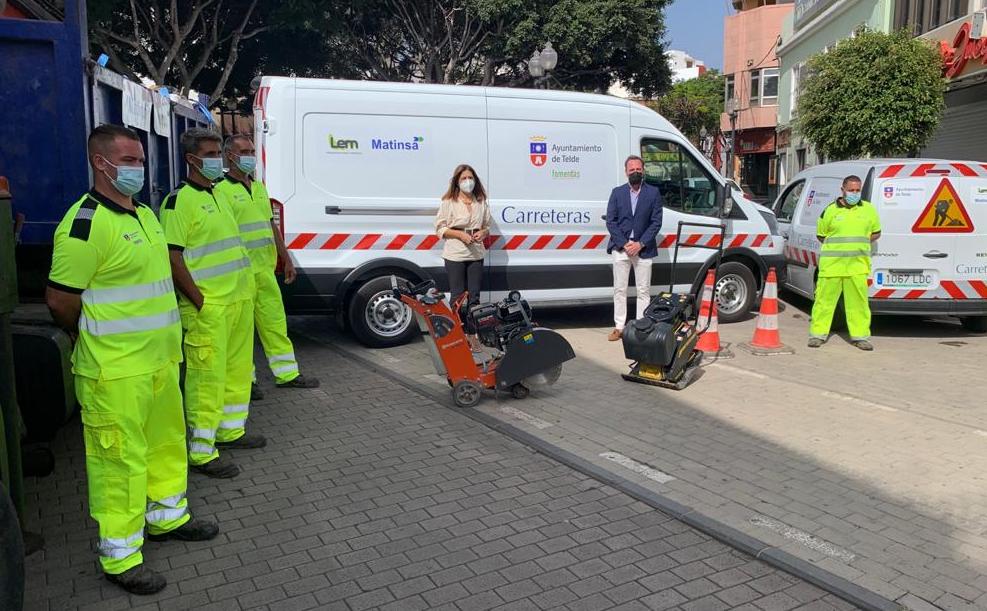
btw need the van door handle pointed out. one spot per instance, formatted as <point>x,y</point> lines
<point>935,254</point>
<point>333,210</point>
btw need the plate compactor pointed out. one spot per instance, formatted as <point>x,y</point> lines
<point>525,355</point>
<point>662,343</point>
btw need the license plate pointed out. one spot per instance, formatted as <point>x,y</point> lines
<point>904,279</point>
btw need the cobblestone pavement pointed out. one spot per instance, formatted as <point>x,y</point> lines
<point>371,496</point>
<point>868,465</point>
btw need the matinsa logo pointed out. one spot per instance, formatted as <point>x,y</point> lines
<point>538,151</point>
<point>343,145</point>
<point>415,144</point>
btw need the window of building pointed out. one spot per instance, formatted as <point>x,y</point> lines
<point>764,87</point>
<point>924,15</point>
<point>731,89</point>
<point>796,87</point>
<point>683,182</point>
<point>800,159</point>
<point>769,86</point>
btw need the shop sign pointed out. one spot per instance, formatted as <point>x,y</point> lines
<point>958,54</point>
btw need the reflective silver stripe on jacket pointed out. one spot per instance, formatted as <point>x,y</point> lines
<point>218,270</point>
<point>236,409</point>
<point>254,226</point>
<point>845,253</point>
<point>281,358</point>
<point>212,247</point>
<point>120,548</point>
<point>128,293</point>
<point>128,325</point>
<point>171,501</point>
<point>847,240</point>
<point>284,369</point>
<point>258,243</point>
<point>85,213</point>
<point>233,424</point>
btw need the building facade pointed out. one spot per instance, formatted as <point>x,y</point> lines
<point>750,68</point>
<point>962,134</point>
<point>684,67</point>
<point>814,27</point>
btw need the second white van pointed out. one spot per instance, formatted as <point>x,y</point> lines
<point>931,258</point>
<point>357,170</point>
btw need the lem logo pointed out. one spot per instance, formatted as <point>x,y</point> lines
<point>343,145</point>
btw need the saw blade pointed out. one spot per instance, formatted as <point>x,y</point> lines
<point>545,378</point>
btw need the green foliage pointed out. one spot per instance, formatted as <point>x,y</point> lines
<point>694,104</point>
<point>878,95</point>
<point>474,42</point>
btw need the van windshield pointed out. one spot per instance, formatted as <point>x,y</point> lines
<point>684,183</point>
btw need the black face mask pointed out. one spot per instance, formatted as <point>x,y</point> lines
<point>635,178</point>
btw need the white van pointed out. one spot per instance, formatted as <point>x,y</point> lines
<point>357,169</point>
<point>931,258</point>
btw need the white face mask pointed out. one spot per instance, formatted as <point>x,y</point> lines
<point>466,185</point>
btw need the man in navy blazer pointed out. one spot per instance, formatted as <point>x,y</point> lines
<point>633,220</point>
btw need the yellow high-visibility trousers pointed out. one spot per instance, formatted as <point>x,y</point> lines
<point>135,461</point>
<point>855,304</point>
<point>218,366</point>
<point>272,327</point>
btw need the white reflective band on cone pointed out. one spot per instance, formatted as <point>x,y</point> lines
<point>768,322</point>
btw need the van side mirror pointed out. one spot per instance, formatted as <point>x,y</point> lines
<point>724,196</point>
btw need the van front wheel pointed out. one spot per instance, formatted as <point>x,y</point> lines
<point>377,318</point>
<point>735,291</point>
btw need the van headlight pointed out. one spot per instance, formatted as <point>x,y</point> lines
<point>772,222</point>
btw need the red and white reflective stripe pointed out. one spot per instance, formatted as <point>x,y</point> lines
<point>800,255</point>
<point>947,289</point>
<point>937,169</point>
<point>574,241</point>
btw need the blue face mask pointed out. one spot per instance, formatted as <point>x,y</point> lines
<point>852,198</point>
<point>247,164</point>
<point>129,180</point>
<point>212,167</point>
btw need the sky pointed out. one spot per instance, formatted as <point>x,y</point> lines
<point>696,27</point>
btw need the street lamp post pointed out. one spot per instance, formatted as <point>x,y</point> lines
<point>731,108</point>
<point>703,133</point>
<point>541,64</point>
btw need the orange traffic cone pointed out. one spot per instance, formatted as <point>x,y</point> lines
<point>767,339</point>
<point>709,341</point>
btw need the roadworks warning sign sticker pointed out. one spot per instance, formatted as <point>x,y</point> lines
<point>944,213</point>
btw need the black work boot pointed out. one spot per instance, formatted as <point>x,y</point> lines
<point>300,382</point>
<point>217,469</point>
<point>193,530</point>
<point>256,394</point>
<point>247,442</point>
<point>139,580</point>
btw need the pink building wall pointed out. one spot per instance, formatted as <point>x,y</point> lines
<point>749,39</point>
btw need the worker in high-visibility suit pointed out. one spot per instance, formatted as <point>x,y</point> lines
<point>110,287</point>
<point>847,229</point>
<point>212,273</point>
<point>264,244</point>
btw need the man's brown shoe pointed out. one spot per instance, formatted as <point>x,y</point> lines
<point>615,335</point>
